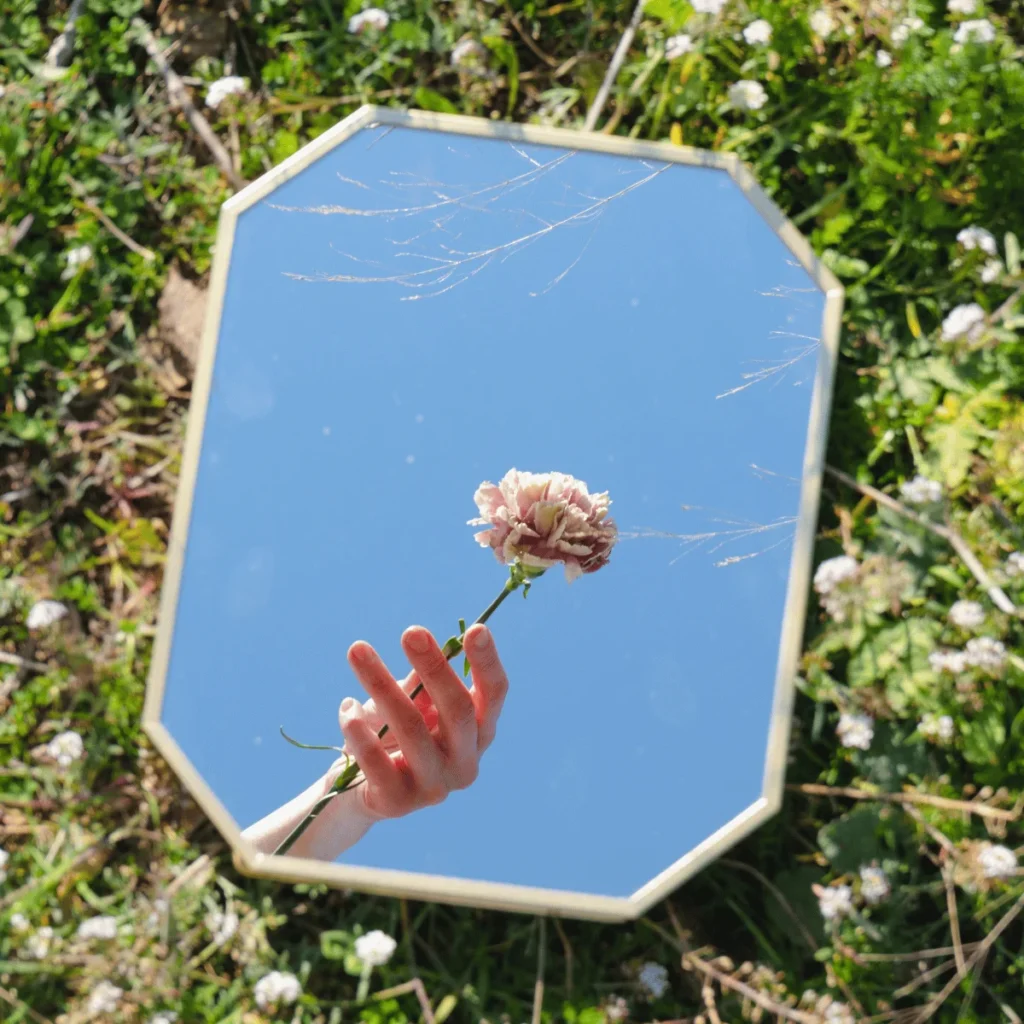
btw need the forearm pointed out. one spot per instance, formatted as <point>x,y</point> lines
<point>341,824</point>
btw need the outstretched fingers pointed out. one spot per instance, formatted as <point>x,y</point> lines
<point>490,683</point>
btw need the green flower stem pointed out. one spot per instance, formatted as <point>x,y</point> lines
<point>347,779</point>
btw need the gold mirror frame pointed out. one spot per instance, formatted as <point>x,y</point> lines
<point>492,895</point>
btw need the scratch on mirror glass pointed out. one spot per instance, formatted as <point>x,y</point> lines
<point>444,253</point>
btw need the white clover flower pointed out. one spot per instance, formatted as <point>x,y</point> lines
<point>616,1010</point>
<point>1015,563</point>
<point>103,927</point>
<point>966,320</point>
<point>104,998</point>
<point>375,948</point>
<point>164,1017</point>
<point>874,885</point>
<point>921,490</point>
<point>991,271</point>
<point>985,652</point>
<point>275,989</point>
<point>65,748</point>
<point>962,6</point>
<point>219,91</point>
<point>747,95</point>
<point>838,1013</point>
<point>835,902</point>
<point>678,45</point>
<point>980,31</point>
<point>997,861</point>
<point>45,613</point>
<point>38,945</point>
<point>222,925</point>
<point>758,33</point>
<point>653,979</point>
<point>954,662</point>
<point>707,6</point>
<point>5,858</point>
<point>936,727</point>
<point>75,259</point>
<point>834,571</point>
<point>978,238</point>
<point>19,922</point>
<point>468,51</point>
<point>855,730</point>
<point>372,18</point>
<point>883,58</point>
<point>821,23</point>
<point>966,614</point>
<point>904,29</point>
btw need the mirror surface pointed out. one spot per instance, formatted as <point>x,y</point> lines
<point>417,312</point>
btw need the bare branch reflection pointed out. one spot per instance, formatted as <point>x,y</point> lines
<point>437,262</point>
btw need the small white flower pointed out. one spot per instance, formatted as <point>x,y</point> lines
<point>921,491</point>
<point>20,924</point>
<point>966,614</point>
<point>978,238</point>
<point>954,662</point>
<point>835,901</point>
<point>834,571</point>
<point>855,730</point>
<point>372,18</point>
<point>653,979</point>
<point>936,727</point>
<point>1015,563</point>
<point>75,259</point>
<point>985,652</point>
<point>156,914</point>
<point>4,860</point>
<point>164,1017</point>
<point>707,6</point>
<point>904,29</point>
<point>103,927</point>
<point>758,33</point>
<point>38,945</point>
<point>3,92</point>
<point>997,861</point>
<point>980,31</point>
<point>616,1010</point>
<point>747,95</point>
<point>883,58</point>
<point>222,925</point>
<point>874,885</point>
<point>991,271</point>
<point>375,948</point>
<point>275,989</point>
<point>838,1013</point>
<point>219,91</point>
<point>65,748</point>
<point>677,46</point>
<point>104,998</point>
<point>45,613</point>
<point>467,52</point>
<point>821,23</point>
<point>962,6</point>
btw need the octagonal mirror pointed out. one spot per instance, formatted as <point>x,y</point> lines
<point>619,350</point>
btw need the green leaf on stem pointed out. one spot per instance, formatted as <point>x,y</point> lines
<point>306,746</point>
<point>465,667</point>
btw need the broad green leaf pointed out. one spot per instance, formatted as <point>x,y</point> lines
<point>853,839</point>
<point>673,14</point>
<point>428,99</point>
<point>984,735</point>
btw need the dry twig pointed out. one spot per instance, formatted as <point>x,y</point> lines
<point>952,537</point>
<point>758,998</point>
<point>614,67</point>
<point>180,97</point>
<point>928,799</point>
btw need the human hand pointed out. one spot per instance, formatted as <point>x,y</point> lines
<point>433,744</point>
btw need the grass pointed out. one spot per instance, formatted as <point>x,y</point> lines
<point>880,166</point>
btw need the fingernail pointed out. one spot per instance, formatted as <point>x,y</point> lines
<point>348,706</point>
<point>418,641</point>
<point>481,639</point>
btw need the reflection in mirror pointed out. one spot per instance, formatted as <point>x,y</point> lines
<point>406,321</point>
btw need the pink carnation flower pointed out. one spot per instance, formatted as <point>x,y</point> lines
<point>541,519</point>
